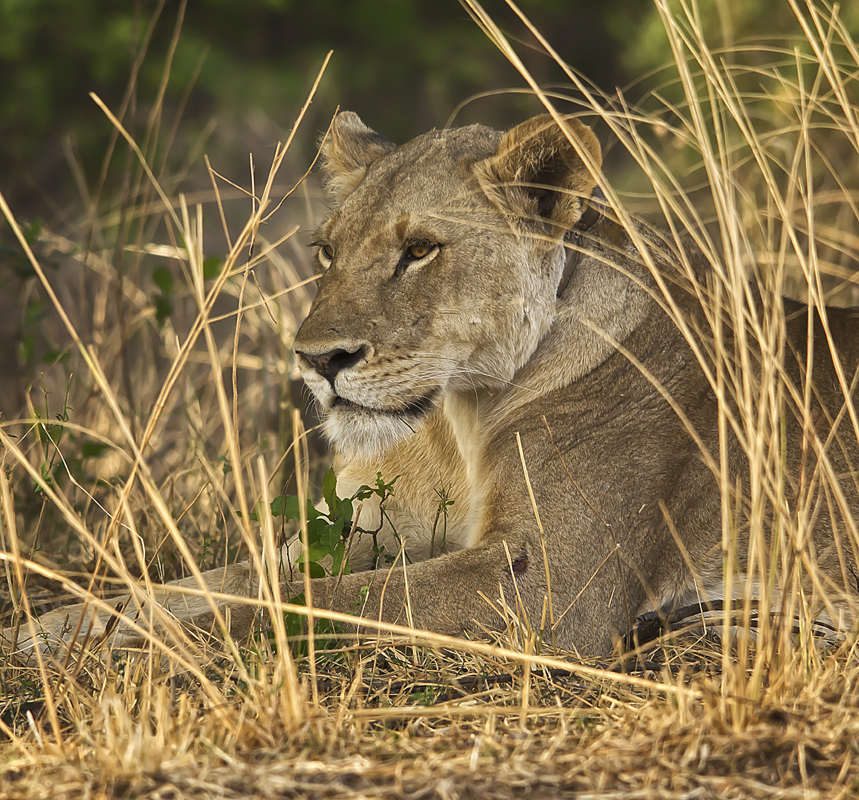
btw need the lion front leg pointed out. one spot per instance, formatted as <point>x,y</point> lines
<point>130,620</point>
<point>449,595</point>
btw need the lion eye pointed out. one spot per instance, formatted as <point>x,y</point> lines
<point>419,251</point>
<point>326,253</point>
<point>416,252</point>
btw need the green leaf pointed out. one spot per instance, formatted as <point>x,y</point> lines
<point>32,230</point>
<point>332,535</point>
<point>212,267</point>
<point>380,551</point>
<point>163,280</point>
<point>54,356</point>
<point>346,511</point>
<point>315,551</point>
<point>363,492</point>
<point>34,313</point>
<point>163,308</point>
<point>93,449</point>
<point>383,488</point>
<point>329,490</point>
<point>290,508</point>
<point>339,566</point>
<point>28,347</point>
<point>313,531</point>
<point>277,506</point>
<point>316,570</point>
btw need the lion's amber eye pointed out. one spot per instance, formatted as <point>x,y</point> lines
<point>414,252</point>
<point>418,251</point>
<point>327,252</point>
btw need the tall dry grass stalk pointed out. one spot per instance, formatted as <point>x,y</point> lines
<point>190,442</point>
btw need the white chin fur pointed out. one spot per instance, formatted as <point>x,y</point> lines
<point>364,433</point>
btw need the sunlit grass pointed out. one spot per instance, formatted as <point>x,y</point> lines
<point>172,431</point>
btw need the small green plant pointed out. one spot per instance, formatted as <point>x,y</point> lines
<point>383,491</point>
<point>328,531</point>
<point>325,632</point>
<point>50,435</point>
<point>328,534</point>
<point>444,503</point>
<point>425,696</point>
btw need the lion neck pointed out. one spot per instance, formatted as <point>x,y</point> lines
<point>599,306</point>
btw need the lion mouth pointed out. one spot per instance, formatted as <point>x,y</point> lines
<point>414,410</point>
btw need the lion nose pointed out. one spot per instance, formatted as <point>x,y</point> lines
<point>329,364</point>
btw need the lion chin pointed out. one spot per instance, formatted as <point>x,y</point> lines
<point>367,433</point>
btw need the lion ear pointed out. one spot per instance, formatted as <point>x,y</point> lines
<point>539,173</point>
<point>348,151</point>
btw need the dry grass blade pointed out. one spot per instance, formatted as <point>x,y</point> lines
<point>117,493</point>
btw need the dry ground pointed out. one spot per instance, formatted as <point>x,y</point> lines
<point>402,721</point>
<point>161,398</point>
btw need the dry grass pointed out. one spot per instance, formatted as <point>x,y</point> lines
<point>180,390</point>
<point>403,721</point>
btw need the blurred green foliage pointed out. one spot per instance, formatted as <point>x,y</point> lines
<point>403,64</point>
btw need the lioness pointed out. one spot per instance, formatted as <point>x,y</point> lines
<point>478,297</point>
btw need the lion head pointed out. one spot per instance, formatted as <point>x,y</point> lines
<point>440,267</point>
